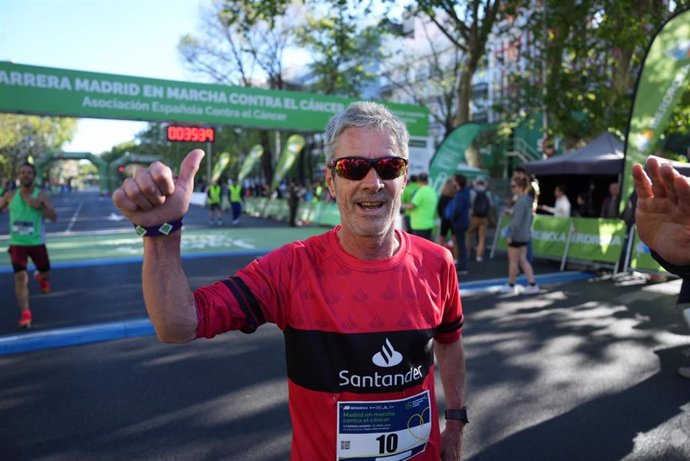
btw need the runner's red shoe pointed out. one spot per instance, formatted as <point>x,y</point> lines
<point>25,319</point>
<point>43,283</point>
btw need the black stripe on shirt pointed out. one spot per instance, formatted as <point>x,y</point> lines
<point>375,362</point>
<point>451,326</point>
<point>247,302</point>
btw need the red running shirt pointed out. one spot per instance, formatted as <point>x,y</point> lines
<point>359,341</point>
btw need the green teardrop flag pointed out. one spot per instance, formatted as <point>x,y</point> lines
<point>220,165</point>
<point>659,87</point>
<point>254,155</point>
<point>450,153</point>
<point>293,146</point>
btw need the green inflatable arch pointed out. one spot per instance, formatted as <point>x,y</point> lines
<point>99,162</point>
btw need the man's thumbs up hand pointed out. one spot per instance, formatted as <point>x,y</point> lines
<point>154,195</point>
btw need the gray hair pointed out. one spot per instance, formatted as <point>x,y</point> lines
<point>366,115</point>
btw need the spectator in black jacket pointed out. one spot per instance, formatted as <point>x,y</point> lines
<point>663,222</point>
<point>609,207</point>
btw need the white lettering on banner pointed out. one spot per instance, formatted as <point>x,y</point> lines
<point>289,103</point>
<point>549,236</point>
<point>114,103</point>
<point>153,91</point>
<point>193,94</point>
<point>35,80</point>
<point>256,100</point>
<point>670,95</point>
<point>223,112</point>
<point>106,87</point>
<point>595,239</point>
<point>261,115</point>
<point>176,109</point>
<point>321,106</point>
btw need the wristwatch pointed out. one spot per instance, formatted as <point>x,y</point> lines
<point>460,415</point>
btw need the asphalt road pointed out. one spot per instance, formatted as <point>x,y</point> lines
<point>583,371</point>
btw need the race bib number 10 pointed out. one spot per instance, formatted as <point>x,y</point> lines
<point>390,430</point>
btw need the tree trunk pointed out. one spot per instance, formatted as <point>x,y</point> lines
<point>462,115</point>
<point>267,157</point>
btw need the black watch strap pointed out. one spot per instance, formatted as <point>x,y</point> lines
<point>460,415</point>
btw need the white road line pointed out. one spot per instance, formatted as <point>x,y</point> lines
<point>74,218</point>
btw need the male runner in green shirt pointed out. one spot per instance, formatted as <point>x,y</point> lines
<point>28,207</point>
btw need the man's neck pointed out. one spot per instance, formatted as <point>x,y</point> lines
<point>370,248</point>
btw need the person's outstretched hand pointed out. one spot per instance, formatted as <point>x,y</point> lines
<point>663,210</point>
<point>154,195</point>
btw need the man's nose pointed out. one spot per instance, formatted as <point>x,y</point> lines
<point>372,179</point>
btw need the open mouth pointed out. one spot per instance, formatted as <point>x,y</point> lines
<point>371,205</point>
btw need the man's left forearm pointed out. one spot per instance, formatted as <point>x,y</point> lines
<point>451,360</point>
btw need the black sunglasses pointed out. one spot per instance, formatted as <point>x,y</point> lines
<point>356,168</point>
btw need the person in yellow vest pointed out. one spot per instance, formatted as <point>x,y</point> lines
<point>213,201</point>
<point>235,192</point>
<point>28,207</point>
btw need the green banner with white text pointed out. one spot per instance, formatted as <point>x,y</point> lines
<point>595,239</point>
<point>585,239</point>
<point>661,83</point>
<point>549,236</point>
<point>49,91</point>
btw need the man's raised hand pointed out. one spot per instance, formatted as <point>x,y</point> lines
<point>663,210</point>
<point>154,196</point>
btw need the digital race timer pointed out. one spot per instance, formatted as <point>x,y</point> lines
<point>190,134</point>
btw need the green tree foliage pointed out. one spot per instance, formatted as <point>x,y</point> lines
<point>430,79</point>
<point>239,44</point>
<point>589,53</point>
<point>468,26</point>
<point>30,136</point>
<point>345,51</point>
<point>243,42</point>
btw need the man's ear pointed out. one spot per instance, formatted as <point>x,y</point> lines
<point>330,181</point>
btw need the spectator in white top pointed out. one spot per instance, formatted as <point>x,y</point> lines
<point>562,207</point>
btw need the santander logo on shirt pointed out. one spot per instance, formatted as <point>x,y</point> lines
<point>387,357</point>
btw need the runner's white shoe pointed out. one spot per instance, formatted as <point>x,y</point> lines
<point>531,290</point>
<point>507,289</point>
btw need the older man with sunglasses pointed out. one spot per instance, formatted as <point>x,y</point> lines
<point>360,305</point>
